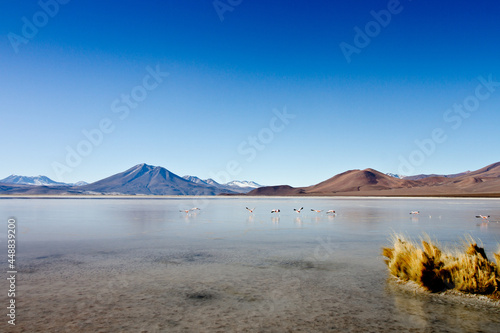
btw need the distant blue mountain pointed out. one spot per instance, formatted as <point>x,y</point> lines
<point>141,179</point>
<point>36,181</point>
<point>151,180</point>
<point>422,176</point>
<point>196,180</point>
<point>24,180</point>
<point>233,186</point>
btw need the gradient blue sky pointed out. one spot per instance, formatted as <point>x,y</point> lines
<point>227,76</point>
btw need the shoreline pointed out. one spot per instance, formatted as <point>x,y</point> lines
<point>148,197</point>
<point>449,294</point>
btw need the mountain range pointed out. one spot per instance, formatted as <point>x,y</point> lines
<point>144,179</point>
<point>370,182</point>
<point>237,186</point>
<point>37,180</point>
<point>422,176</point>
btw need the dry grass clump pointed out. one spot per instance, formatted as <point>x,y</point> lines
<point>468,270</point>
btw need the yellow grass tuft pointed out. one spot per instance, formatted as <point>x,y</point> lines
<point>497,258</point>
<point>468,270</point>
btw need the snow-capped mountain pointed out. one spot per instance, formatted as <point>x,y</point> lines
<point>243,183</point>
<point>146,179</point>
<point>152,180</point>
<point>239,186</point>
<point>37,181</point>
<point>395,175</point>
<point>25,180</point>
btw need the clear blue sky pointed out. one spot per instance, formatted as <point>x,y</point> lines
<point>69,69</point>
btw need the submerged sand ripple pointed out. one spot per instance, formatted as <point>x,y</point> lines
<point>224,291</point>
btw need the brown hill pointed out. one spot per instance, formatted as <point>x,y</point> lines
<point>279,190</point>
<point>492,170</point>
<point>368,182</point>
<point>358,180</point>
<point>484,180</point>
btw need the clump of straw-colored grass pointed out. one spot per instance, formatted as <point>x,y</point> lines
<point>468,270</point>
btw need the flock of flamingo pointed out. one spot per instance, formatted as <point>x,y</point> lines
<point>331,211</point>
<point>482,217</point>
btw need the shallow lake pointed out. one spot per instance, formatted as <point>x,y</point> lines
<point>140,264</point>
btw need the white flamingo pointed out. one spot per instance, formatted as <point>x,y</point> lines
<point>414,212</point>
<point>250,210</point>
<point>275,211</point>
<point>298,210</point>
<point>331,211</point>
<point>188,210</point>
<point>316,210</point>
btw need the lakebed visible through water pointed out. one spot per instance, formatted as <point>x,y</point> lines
<point>141,265</point>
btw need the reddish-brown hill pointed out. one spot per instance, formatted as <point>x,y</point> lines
<point>359,180</point>
<point>485,181</point>
<point>492,170</point>
<point>278,190</point>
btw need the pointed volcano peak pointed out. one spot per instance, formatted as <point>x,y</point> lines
<point>140,168</point>
<point>143,166</point>
<point>151,180</point>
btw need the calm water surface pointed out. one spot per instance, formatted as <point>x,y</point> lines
<point>46,222</point>
<point>320,259</point>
